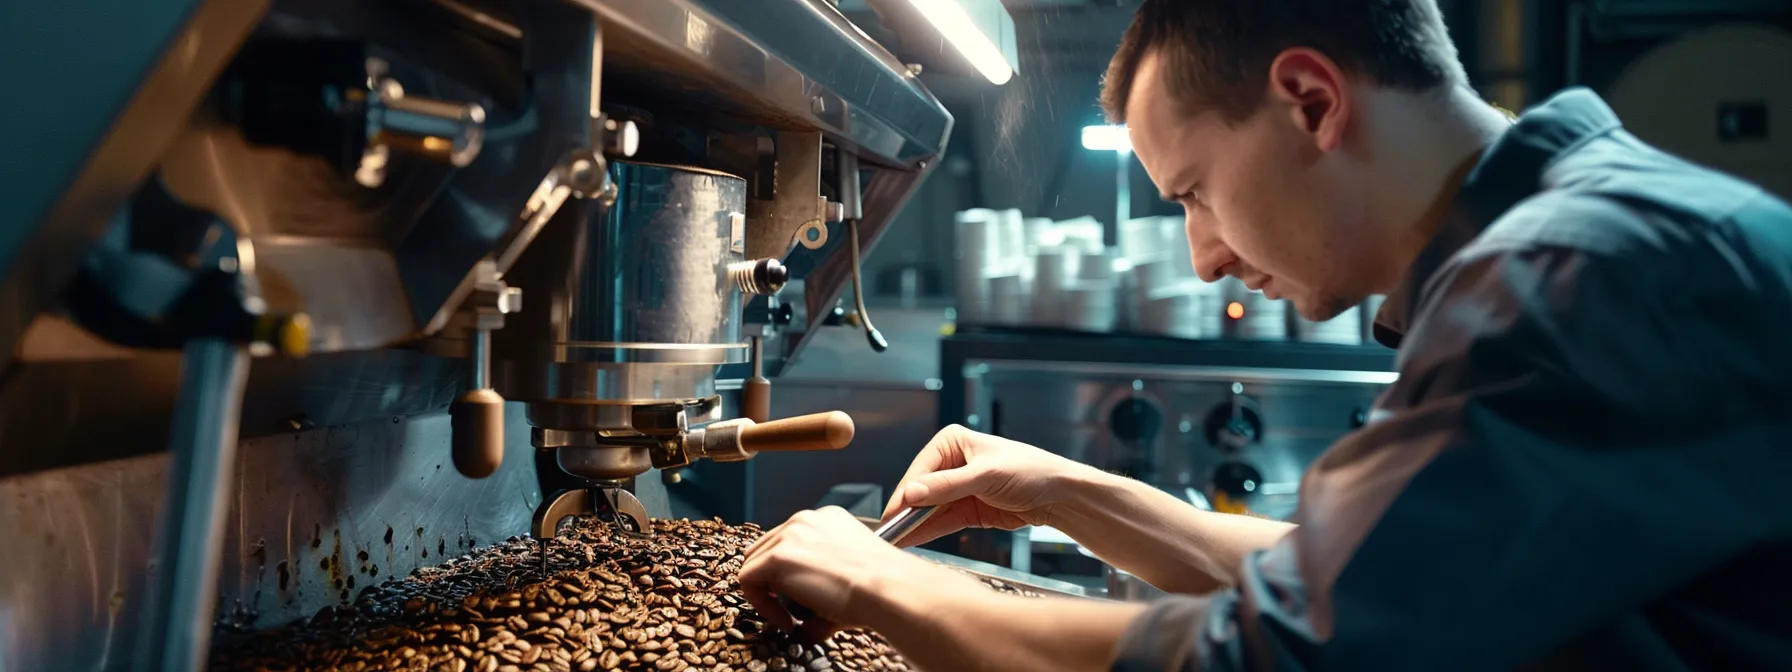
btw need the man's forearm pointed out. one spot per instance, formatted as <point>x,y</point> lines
<point>1159,538</point>
<point>990,631</point>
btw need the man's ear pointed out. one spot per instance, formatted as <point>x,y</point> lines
<point>1316,94</point>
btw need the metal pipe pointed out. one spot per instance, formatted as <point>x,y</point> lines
<point>480,357</point>
<point>178,611</point>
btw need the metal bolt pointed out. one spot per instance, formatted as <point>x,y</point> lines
<point>621,137</point>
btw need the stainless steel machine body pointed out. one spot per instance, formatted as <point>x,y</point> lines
<point>1225,425</point>
<point>444,203</point>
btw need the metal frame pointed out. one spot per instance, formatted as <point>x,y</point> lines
<point>1316,362</point>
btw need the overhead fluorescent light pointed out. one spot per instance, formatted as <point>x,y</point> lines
<point>956,25</point>
<point>1107,138</point>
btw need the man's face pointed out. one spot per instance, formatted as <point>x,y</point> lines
<point>1265,205</point>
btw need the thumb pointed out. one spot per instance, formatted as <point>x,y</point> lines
<point>947,486</point>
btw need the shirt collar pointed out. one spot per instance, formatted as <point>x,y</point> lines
<point>1509,171</point>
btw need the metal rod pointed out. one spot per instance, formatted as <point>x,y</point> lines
<point>178,612</point>
<point>872,335</point>
<point>480,358</point>
<point>905,522</point>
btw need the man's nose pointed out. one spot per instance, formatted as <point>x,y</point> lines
<point>1210,255</point>
<point>1211,263</point>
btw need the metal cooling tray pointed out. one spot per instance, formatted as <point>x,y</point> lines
<point>1035,583</point>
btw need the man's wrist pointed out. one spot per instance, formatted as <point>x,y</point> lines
<point>908,604</point>
<point>1078,493</point>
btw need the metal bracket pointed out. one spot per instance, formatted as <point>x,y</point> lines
<point>614,504</point>
<point>797,211</point>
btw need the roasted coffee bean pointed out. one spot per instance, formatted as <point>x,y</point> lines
<point>610,602</point>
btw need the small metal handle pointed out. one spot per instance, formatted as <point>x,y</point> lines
<point>904,522</point>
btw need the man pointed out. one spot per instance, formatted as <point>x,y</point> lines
<point>1586,462</point>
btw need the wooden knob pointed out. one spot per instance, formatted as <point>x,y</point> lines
<point>818,431</point>
<point>756,400</point>
<point>477,418</point>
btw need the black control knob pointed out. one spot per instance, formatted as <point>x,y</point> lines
<point>1135,420</point>
<point>1359,418</point>
<point>1237,481</point>
<point>1233,425</point>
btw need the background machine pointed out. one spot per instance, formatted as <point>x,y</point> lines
<point>280,237</point>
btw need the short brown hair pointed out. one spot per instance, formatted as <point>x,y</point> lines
<point>1217,52</point>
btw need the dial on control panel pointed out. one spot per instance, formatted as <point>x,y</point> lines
<point>1234,425</point>
<point>1135,420</point>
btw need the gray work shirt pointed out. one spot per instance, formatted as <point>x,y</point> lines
<point>1587,460</point>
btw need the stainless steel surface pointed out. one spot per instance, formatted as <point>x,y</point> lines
<point>1264,375</point>
<point>178,611</point>
<point>97,124</point>
<point>1039,584</point>
<point>904,522</point>
<point>597,462</point>
<point>644,280</point>
<point>771,60</point>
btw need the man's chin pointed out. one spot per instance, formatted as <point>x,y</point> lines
<point>1319,310</point>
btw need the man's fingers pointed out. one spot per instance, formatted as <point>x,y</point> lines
<point>769,535</point>
<point>817,630</point>
<point>941,452</point>
<point>755,581</point>
<point>945,487</point>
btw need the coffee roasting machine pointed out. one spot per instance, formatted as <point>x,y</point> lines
<point>281,236</point>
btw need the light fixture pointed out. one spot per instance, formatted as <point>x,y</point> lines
<point>956,25</point>
<point>1107,138</point>
<point>1111,138</point>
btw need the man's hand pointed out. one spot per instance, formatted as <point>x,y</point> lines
<point>938,618</point>
<point>981,481</point>
<point>830,563</point>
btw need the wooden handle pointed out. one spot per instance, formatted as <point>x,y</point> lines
<point>817,431</point>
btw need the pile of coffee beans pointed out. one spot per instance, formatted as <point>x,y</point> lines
<point>609,601</point>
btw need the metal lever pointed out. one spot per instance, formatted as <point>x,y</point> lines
<point>477,415</point>
<point>846,167</point>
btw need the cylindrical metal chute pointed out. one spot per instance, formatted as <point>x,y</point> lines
<point>636,303</point>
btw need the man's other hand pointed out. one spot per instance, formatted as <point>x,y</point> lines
<point>981,481</point>
<point>828,562</point>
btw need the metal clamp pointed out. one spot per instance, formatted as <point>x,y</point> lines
<point>445,131</point>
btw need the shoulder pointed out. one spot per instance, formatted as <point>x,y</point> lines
<point>1737,247</point>
<point>1635,305</point>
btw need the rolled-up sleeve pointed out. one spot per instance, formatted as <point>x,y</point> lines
<point>1568,440</point>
